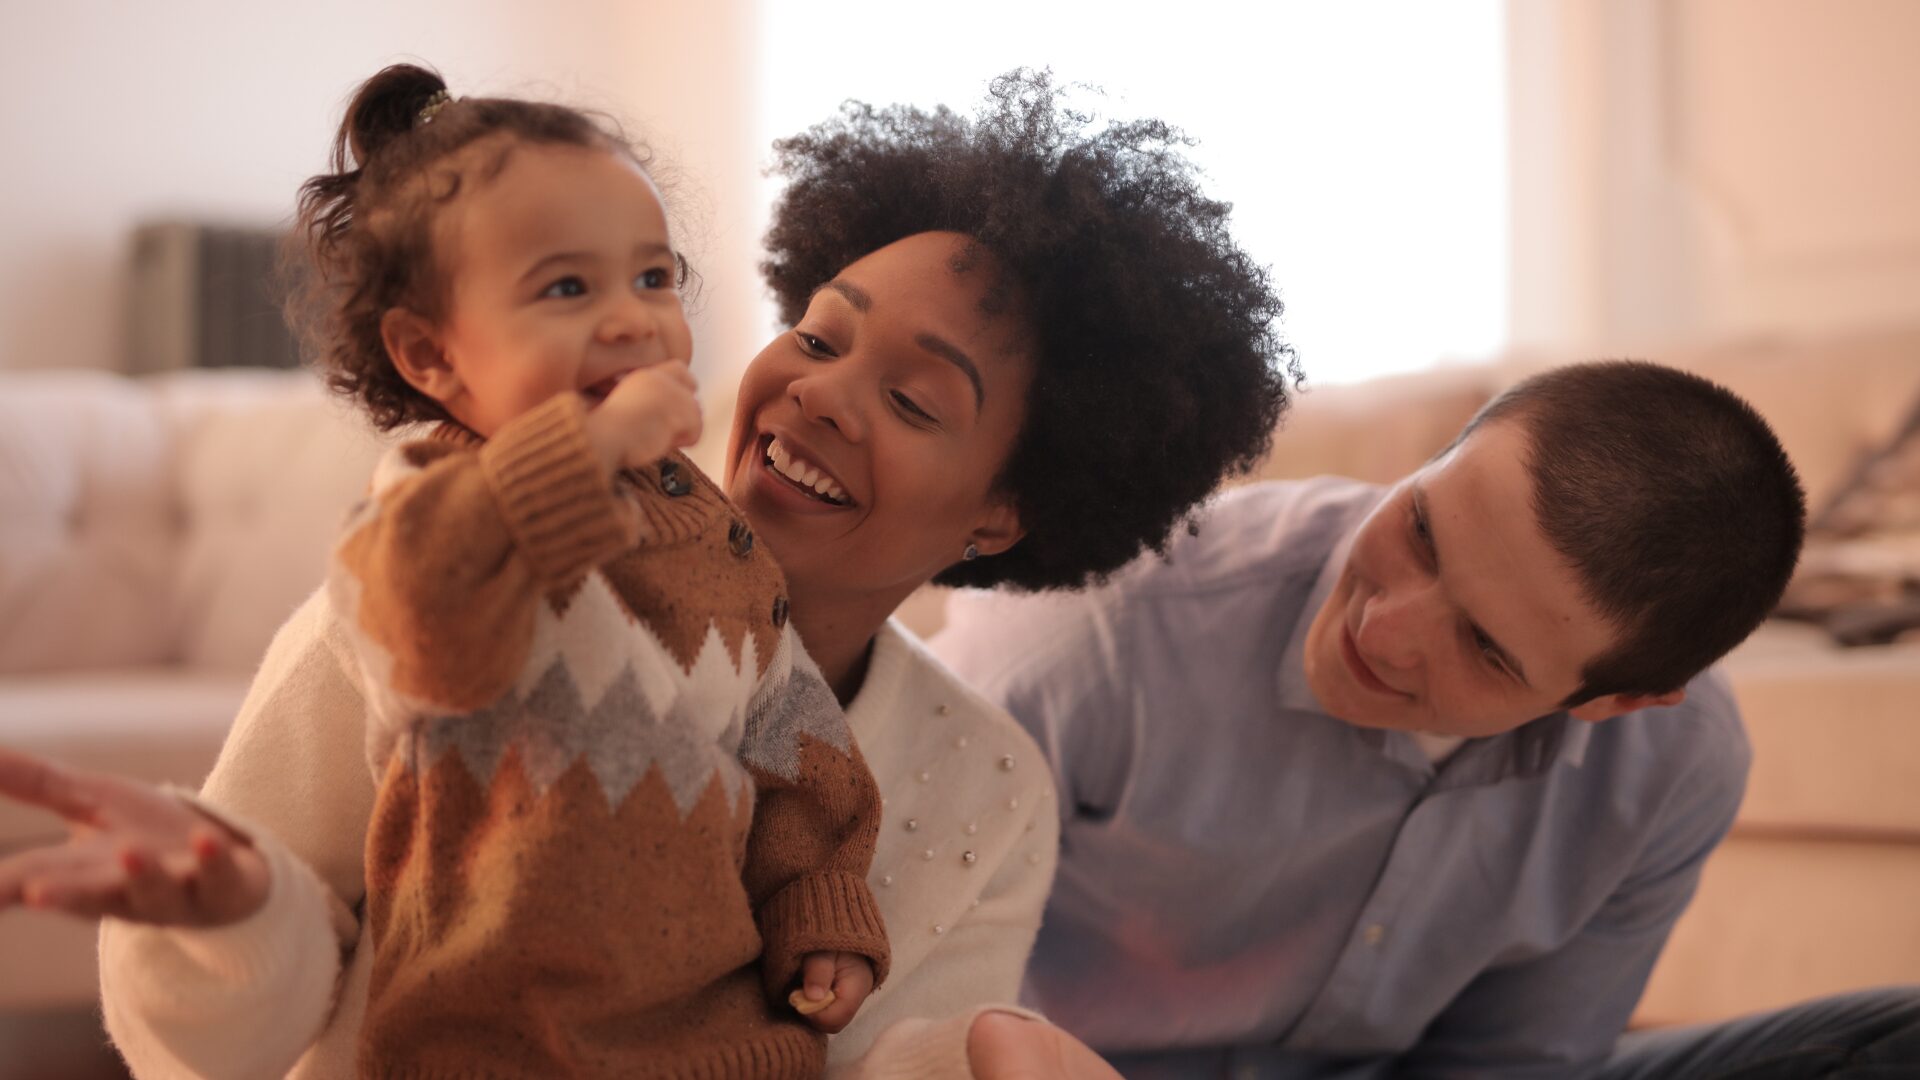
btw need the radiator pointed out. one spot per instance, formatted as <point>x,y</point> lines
<point>205,296</point>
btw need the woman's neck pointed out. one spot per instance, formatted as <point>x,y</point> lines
<point>837,630</point>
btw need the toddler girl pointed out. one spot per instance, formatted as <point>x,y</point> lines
<point>618,809</point>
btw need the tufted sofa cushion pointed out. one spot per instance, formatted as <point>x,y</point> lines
<point>169,520</point>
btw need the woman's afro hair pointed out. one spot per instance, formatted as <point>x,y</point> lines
<point>1158,365</point>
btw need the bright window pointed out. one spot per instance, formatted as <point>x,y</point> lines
<point>1362,142</point>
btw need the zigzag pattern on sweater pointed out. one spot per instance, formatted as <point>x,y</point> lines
<point>614,726</point>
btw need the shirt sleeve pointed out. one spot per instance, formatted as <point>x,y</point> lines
<point>816,820</point>
<point>440,571</point>
<point>1556,1014</point>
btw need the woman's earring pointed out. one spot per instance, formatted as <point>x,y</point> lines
<point>972,553</point>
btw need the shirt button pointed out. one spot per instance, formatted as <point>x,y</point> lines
<point>673,479</point>
<point>779,612</point>
<point>739,539</point>
<point>1374,934</point>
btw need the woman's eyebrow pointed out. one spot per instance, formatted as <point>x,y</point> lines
<point>945,350</point>
<point>938,346</point>
<point>855,294</point>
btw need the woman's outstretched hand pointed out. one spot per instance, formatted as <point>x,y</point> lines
<point>134,852</point>
<point>1002,1046</point>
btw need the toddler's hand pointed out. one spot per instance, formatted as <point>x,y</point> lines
<point>651,412</point>
<point>845,977</point>
<point>136,852</point>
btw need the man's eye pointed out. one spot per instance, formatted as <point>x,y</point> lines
<point>565,288</point>
<point>656,278</point>
<point>1488,650</point>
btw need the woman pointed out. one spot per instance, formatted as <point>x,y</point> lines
<point>1022,352</point>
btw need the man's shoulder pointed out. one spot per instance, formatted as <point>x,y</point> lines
<point>1699,743</point>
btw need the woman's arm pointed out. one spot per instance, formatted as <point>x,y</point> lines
<point>246,1000</point>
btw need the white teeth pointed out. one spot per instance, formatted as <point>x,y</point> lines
<point>803,473</point>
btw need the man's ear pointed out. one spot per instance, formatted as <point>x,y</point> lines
<point>1609,706</point>
<point>414,346</point>
<point>999,531</point>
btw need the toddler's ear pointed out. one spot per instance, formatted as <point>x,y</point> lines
<point>414,347</point>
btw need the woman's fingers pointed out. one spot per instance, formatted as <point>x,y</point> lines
<point>77,878</point>
<point>155,893</point>
<point>41,783</point>
<point>229,881</point>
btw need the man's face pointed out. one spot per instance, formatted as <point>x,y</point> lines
<point>1453,614</point>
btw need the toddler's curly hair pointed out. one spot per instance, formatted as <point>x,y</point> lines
<point>362,241</point>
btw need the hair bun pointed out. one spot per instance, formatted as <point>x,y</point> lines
<point>388,106</point>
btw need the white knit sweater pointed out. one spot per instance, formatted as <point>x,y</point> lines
<point>966,856</point>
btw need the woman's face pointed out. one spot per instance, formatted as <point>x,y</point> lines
<point>866,439</point>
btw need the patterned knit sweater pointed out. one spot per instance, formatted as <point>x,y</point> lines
<point>617,804</point>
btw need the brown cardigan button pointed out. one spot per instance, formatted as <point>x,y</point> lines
<point>780,612</point>
<point>673,481</point>
<point>739,539</point>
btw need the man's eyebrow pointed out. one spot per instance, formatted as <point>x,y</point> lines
<point>1433,548</point>
<point>945,350</point>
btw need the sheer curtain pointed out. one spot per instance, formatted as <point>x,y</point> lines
<point>1363,143</point>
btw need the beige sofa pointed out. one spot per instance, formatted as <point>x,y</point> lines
<point>154,532</point>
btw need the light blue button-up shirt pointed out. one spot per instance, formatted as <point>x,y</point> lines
<point>1250,887</point>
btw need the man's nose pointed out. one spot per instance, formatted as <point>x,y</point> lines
<point>1396,627</point>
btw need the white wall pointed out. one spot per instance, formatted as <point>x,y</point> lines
<point>1694,170</point>
<point>117,112</point>
<point>1361,142</point>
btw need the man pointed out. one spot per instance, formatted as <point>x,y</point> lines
<point>1411,780</point>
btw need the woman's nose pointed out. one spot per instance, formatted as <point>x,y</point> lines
<point>825,398</point>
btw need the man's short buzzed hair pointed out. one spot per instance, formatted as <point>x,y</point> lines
<point>1674,502</point>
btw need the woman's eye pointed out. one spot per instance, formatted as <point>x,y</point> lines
<point>565,288</point>
<point>906,405</point>
<point>811,345</point>
<point>655,278</point>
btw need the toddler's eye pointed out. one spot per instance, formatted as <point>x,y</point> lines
<point>566,287</point>
<point>656,278</point>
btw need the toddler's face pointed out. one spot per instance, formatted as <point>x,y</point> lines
<point>561,277</point>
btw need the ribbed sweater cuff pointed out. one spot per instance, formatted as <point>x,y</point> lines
<point>832,911</point>
<point>555,495</point>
